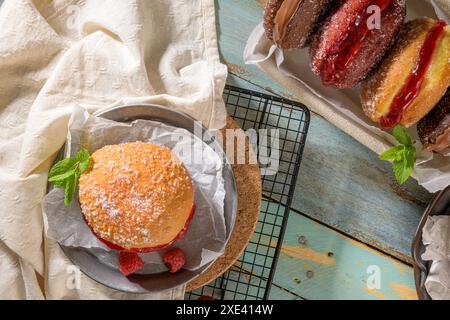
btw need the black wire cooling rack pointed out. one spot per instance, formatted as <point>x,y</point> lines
<point>250,278</point>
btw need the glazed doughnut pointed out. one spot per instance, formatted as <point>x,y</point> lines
<point>137,197</point>
<point>290,23</point>
<point>434,128</point>
<point>412,78</point>
<point>351,42</point>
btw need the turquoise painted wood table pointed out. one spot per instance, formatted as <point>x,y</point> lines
<point>351,225</point>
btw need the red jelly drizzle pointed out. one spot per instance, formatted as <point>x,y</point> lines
<point>414,82</point>
<point>115,247</point>
<point>345,50</point>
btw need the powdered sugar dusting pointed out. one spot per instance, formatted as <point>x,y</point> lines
<point>136,195</point>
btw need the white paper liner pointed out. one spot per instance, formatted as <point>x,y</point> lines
<point>206,237</point>
<point>438,280</point>
<point>436,238</point>
<point>431,170</point>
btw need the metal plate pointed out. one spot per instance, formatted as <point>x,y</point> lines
<point>440,205</point>
<point>87,260</point>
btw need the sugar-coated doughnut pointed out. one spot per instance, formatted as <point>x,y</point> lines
<point>412,78</point>
<point>353,40</point>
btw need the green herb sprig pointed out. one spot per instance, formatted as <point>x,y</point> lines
<point>65,173</point>
<point>403,155</point>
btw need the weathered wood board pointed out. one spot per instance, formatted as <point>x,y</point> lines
<point>318,263</point>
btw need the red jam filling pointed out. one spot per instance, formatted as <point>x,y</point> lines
<point>115,247</point>
<point>345,50</point>
<point>413,83</point>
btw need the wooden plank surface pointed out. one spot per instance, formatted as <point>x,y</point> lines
<point>342,183</point>
<point>318,263</point>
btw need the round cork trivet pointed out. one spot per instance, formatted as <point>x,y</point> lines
<point>249,190</point>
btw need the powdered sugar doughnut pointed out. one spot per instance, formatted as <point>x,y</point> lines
<point>137,197</point>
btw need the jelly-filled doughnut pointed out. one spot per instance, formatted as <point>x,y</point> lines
<point>412,78</point>
<point>354,38</point>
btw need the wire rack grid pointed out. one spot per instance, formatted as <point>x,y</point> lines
<point>251,276</point>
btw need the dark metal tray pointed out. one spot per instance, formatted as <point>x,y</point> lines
<point>440,205</point>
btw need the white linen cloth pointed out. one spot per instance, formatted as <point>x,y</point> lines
<point>55,54</point>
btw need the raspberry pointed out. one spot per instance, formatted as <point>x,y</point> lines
<point>174,260</point>
<point>130,263</point>
<point>205,298</point>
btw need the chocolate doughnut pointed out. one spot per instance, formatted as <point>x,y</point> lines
<point>290,23</point>
<point>434,128</point>
<point>352,41</point>
<point>412,78</point>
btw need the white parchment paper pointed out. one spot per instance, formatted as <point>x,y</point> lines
<point>206,237</point>
<point>436,238</point>
<point>343,107</point>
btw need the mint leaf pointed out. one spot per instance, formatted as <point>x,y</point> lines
<point>85,166</point>
<point>65,173</point>
<point>85,160</point>
<point>83,155</point>
<point>402,171</point>
<point>59,184</point>
<point>69,190</point>
<point>410,155</point>
<point>393,153</point>
<point>404,166</point>
<point>62,167</point>
<point>402,135</point>
<point>62,177</point>
<point>403,155</point>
